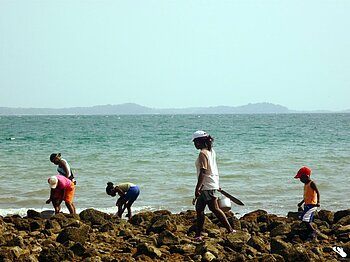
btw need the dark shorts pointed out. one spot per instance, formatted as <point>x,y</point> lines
<point>132,194</point>
<point>308,213</point>
<point>208,195</point>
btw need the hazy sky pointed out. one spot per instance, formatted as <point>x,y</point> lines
<point>174,54</point>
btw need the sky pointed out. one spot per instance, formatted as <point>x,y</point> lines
<point>175,54</point>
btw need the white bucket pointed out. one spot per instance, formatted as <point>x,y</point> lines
<point>224,203</point>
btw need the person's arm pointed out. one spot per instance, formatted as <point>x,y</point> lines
<point>314,187</point>
<point>302,202</point>
<point>51,196</point>
<point>199,185</point>
<point>203,165</point>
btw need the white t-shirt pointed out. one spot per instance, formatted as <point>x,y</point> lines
<point>207,160</point>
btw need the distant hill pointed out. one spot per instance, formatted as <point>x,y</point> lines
<point>135,109</point>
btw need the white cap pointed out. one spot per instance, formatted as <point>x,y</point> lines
<point>199,134</point>
<point>53,181</point>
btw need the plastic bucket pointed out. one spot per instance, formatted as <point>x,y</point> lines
<point>224,203</point>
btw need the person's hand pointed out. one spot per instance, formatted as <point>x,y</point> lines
<point>48,201</point>
<point>318,205</point>
<point>299,204</point>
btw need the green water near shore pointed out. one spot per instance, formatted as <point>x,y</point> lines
<point>258,156</point>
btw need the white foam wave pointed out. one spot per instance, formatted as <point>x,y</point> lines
<point>23,211</point>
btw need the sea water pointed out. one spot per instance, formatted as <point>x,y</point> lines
<point>257,155</point>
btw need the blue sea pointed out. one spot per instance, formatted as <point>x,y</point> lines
<point>257,155</point>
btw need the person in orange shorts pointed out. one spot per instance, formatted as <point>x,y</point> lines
<point>62,189</point>
<point>311,200</point>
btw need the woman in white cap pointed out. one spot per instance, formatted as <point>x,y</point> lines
<point>62,189</point>
<point>206,192</point>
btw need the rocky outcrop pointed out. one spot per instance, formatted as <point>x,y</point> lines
<point>162,236</point>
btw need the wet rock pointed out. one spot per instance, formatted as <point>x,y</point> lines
<point>33,214</point>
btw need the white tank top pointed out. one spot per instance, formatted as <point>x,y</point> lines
<point>62,171</point>
<point>211,177</point>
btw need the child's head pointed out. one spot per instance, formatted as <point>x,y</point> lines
<point>110,189</point>
<point>304,174</point>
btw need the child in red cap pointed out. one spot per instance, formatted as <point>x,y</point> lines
<point>311,200</point>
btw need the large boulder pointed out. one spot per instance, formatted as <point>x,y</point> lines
<point>237,240</point>
<point>74,234</point>
<point>161,223</point>
<point>167,238</point>
<point>326,215</point>
<point>340,214</point>
<point>94,217</point>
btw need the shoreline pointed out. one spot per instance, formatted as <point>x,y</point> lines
<point>160,235</point>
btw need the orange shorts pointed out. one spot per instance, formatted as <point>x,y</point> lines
<point>69,194</point>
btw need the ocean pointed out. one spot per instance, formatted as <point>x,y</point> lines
<point>257,155</point>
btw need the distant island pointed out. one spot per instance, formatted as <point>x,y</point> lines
<point>135,109</point>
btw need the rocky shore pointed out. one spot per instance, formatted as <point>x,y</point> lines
<point>162,236</point>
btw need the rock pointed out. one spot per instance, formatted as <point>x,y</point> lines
<point>326,215</point>
<point>55,254</point>
<point>148,250</point>
<point>167,238</point>
<point>33,214</point>
<point>36,225</point>
<point>94,217</point>
<point>161,223</point>
<point>342,229</point>
<point>208,256</point>
<point>271,258</point>
<point>340,214</point>
<point>234,221</point>
<point>279,245</point>
<point>163,236</point>
<point>344,220</point>
<point>298,229</point>
<point>53,225</point>
<point>256,216</point>
<point>206,247</point>
<point>296,253</point>
<point>237,240</point>
<point>258,243</point>
<point>74,234</point>
<point>78,249</point>
<point>293,215</point>
<point>280,230</point>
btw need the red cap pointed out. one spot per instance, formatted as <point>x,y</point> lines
<point>304,171</point>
